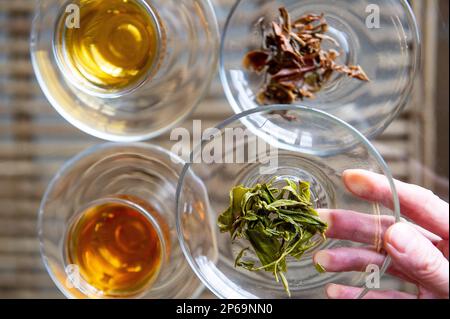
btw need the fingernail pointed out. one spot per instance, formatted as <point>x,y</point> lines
<point>356,182</point>
<point>322,258</point>
<point>400,237</point>
<point>333,291</point>
<point>325,216</point>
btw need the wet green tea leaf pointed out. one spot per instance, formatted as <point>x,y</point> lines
<point>277,223</point>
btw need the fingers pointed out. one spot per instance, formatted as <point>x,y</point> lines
<point>435,239</point>
<point>354,259</point>
<point>334,291</point>
<point>359,227</point>
<point>443,246</point>
<point>419,204</point>
<point>347,259</point>
<point>421,260</point>
<point>363,228</point>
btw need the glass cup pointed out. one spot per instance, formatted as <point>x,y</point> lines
<point>316,147</point>
<point>185,58</point>
<point>140,177</point>
<point>381,35</point>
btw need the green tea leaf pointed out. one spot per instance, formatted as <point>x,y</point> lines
<point>277,222</point>
<point>285,283</point>
<point>320,268</point>
<point>286,203</point>
<point>226,221</point>
<point>304,191</point>
<point>266,248</point>
<point>240,263</point>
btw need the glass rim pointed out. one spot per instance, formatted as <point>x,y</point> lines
<point>264,109</point>
<point>72,222</point>
<point>101,133</point>
<point>417,64</point>
<point>94,90</point>
<point>66,168</point>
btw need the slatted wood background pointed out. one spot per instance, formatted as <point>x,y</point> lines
<point>35,141</point>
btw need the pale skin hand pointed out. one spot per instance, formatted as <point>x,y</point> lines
<point>419,252</point>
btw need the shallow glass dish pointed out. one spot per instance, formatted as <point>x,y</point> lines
<point>317,148</point>
<point>382,36</point>
<point>99,175</point>
<point>185,62</point>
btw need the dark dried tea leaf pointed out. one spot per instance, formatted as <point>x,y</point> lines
<point>291,56</point>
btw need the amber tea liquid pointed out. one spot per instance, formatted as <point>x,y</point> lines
<point>116,247</point>
<point>116,45</point>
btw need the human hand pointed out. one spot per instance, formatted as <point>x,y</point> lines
<point>419,252</point>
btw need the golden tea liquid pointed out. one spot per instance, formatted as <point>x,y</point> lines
<point>116,248</point>
<point>116,44</point>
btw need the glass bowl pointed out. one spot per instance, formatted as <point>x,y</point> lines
<point>388,52</point>
<point>308,150</point>
<point>185,62</point>
<point>99,175</point>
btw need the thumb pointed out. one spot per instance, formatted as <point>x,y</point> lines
<point>418,258</point>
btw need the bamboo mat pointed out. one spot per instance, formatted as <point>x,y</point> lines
<point>35,141</point>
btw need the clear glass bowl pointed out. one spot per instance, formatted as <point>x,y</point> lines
<point>98,175</point>
<point>390,55</point>
<point>308,150</point>
<point>188,53</point>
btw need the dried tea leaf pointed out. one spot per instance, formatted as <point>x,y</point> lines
<point>292,57</point>
<point>255,60</point>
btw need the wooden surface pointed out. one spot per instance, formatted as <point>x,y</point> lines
<point>35,141</point>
